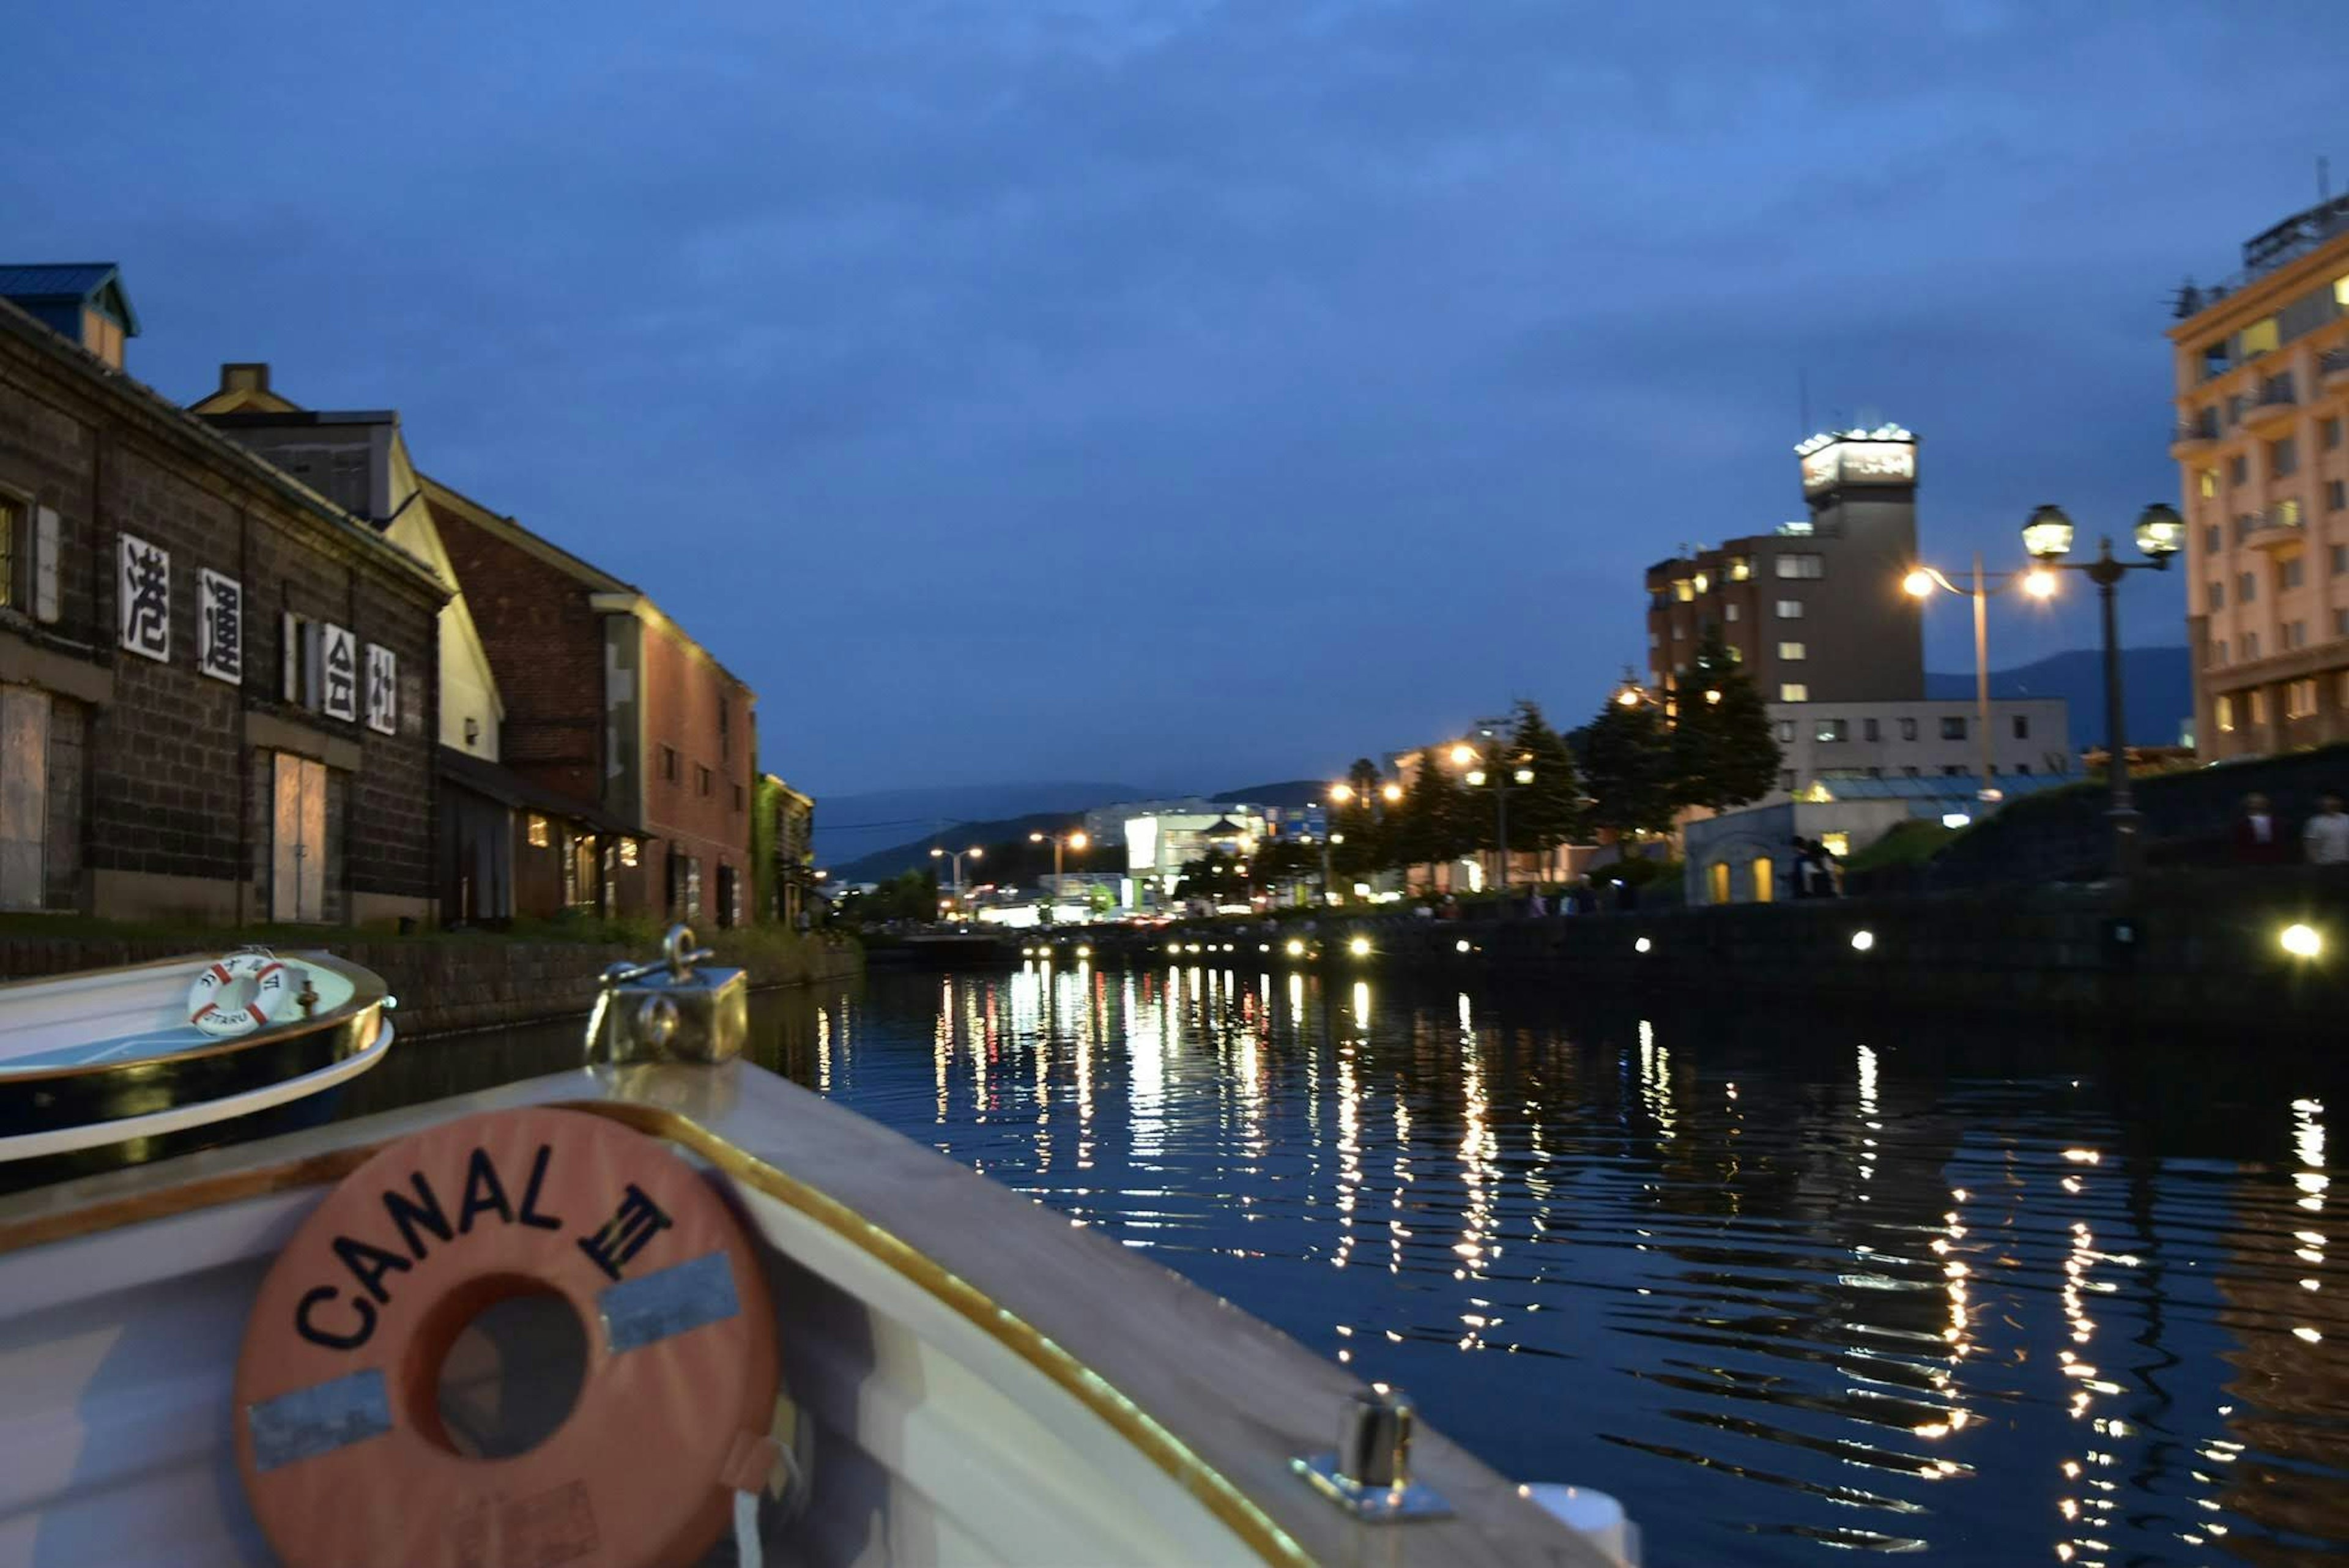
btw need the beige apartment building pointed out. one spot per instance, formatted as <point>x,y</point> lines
<point>2263,376</point>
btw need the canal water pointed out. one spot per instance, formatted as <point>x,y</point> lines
<point>1787,1285</point>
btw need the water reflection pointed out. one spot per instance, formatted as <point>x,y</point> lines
<point>1786,1288</point>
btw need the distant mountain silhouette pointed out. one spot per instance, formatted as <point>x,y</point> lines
<point>1296,792</point>
<point>2156,689</point>
<point>907,843</point>
<point>849,827</point>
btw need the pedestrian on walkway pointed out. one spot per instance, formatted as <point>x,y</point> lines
<point>2259,836</point>
<point>2326,837</point>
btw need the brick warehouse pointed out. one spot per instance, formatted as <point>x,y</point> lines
<point>611,703</point>
<point>208,674</point>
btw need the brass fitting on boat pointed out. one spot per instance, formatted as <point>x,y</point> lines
<point>1369,1474</point>
<point>670,1010</point>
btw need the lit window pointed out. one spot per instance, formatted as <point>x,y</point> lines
<point>1793,691</point>
<point>627,852</point>
<point>2341,291</point>
<point>1683,590</point>
<point>1833,730</point>
<point>538,836</point>
<point>1766,880</point>
<point>1790,609</point>
<point>1739,568</point>
<point>1802,567</point>
<point>2208,481</point>
<point>1792,650</point>
<point>1732,611</point>
<point>1736,654</point>
<point>2260,338</point>
<point>2287,512</point>
<point>1836,844</point>
<point>2255,706</point>
<point>2300,700</point>
<point>2224,710</point>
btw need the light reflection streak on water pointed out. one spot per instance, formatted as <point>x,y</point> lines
<point>1823,1291</point>
<point>823,1048</point>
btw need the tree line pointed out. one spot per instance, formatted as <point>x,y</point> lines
<point>1631,770</point>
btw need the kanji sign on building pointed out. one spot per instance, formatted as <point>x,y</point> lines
<point>338,671</point>
<point>219,626</point>
<point>382,690</point>
<point>144,594</point>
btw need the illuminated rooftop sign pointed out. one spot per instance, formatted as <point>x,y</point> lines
<point>1834,459</point>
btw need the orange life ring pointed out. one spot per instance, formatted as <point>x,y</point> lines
<point>345,1455</point>
<point>204,992</point>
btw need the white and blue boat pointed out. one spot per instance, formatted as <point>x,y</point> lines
<point>150,1052</point>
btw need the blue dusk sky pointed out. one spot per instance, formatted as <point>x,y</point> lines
<point>1186,393</point>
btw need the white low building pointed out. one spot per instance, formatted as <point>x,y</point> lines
<point>2030,738</point>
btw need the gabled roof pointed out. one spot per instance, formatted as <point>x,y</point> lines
<point>83,283</point>
<point>499,526</point>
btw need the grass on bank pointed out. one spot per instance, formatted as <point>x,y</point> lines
<point>766,951</point>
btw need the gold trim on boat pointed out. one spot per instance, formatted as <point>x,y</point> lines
<point>1227,1502</point>
<point>1214,1491</point>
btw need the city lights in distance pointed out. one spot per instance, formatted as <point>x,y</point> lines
<point>2302,941</point>
<point>1360,947</point>
<point>1861,941</point>
<point>1643,945</point>
<point>1296,948</point>
<point>1955,819</point>
<point>1461,945</point>
<point>1084,952</point>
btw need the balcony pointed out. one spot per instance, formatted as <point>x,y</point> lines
<point>2275,527</point>
<point>2195,436</point>
<point>2333,368</point>
<point>2278,401</point>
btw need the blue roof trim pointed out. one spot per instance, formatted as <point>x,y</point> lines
<point>80,283</point>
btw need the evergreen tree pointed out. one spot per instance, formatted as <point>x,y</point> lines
<point>1357,820</point>
<point>1627,766</point>
<point>1723,753</point>
<point>1432,822</point>
<point>1548,811</point>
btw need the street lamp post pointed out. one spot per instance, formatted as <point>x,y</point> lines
<point>1076,841</point>
<point>2159,534</point>
<point>975,852</point>
<point>1502,772</point>
<point>2038,582</point>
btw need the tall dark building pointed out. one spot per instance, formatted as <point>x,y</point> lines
<point>1815,610</point>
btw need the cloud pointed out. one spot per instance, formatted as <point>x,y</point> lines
<point>1030,387</point>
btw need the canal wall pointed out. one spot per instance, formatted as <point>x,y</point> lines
<point>450,984</point>
<point>2186,951</point>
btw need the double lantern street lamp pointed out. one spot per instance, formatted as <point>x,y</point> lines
<point>2047,538</point>
<point>1343,794</point>
<point>2160,534</point>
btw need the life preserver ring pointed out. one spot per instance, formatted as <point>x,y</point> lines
<point>269,978</point>
<point>345,1454</point>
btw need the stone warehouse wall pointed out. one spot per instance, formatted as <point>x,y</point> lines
<point>448,987</point>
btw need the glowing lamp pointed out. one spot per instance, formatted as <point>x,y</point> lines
<point>1918,583</point>
<point>1463,755</point>
<point>1360,947</point>
<point>1341,794</point>
<point>2048,536</point>
<point>1296,948</point>
<point>1862,940</point>
<point>1391,793</point>
<point>2160,532</point>
<point>2301,941</point>
<point>2039,582</point>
